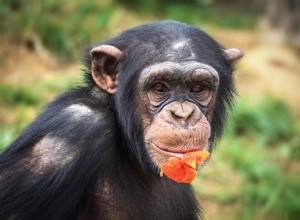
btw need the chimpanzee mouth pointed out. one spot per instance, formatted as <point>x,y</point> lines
<point>170,153</point>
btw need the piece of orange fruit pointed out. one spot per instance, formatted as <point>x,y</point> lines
<point>199,155</point>
<point>184,170</point>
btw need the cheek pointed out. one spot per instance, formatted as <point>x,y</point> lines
<point>211,107</point>
<point>146,115</point>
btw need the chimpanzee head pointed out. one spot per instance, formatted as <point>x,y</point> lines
<point>170,83</point>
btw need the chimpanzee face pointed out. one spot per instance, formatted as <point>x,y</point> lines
<point>171,85</point>
<point>178,100</point>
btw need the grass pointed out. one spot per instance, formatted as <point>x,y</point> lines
<point>19,95</point>
<point>259,149</point>
<point>270,119</point>
<point>65,28</point>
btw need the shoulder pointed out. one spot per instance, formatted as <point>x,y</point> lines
<point>76,115</point>
<point>78,110</point>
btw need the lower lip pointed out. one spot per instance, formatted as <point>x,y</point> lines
<point>167,153</point>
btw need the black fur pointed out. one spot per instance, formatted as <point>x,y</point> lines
<point>110,176</point>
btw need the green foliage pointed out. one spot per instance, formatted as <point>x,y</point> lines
<point>295,148</point>
<point>259,141</point>
<point>287,201</point>
<point>6,136</point>
<point>18,95</point>
<point>65,28</point>
<point>8,133</point>
<point>195,12</point>
<point>55,38</point>
<point>202,16</point>
<point>270,119</point>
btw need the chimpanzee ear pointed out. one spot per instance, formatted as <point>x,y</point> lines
<point>233,54</point>
<point>104,72</point>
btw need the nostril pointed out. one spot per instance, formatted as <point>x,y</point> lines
<point>190,114</point>
<point>175,115</point>
<point>179,115</point>
<point>184,114</point>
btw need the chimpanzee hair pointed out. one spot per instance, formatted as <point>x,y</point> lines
<point>152,43</point>
<point>93,164</point>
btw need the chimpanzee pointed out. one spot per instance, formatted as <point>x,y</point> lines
<point>95,152</point>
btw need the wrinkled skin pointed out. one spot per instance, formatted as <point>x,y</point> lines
<point>178,101</point>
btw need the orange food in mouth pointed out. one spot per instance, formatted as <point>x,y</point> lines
<point>184,170</point>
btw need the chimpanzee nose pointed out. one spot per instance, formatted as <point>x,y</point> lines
<point>186,113</point>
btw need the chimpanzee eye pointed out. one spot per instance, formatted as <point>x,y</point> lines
<point>160,87</point>
<point>199,88</point>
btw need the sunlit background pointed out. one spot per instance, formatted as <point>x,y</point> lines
<point>255,170</point>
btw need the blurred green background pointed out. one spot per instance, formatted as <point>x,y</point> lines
<point>255,170</point>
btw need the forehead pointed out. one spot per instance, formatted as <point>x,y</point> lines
<point>178,69</point>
